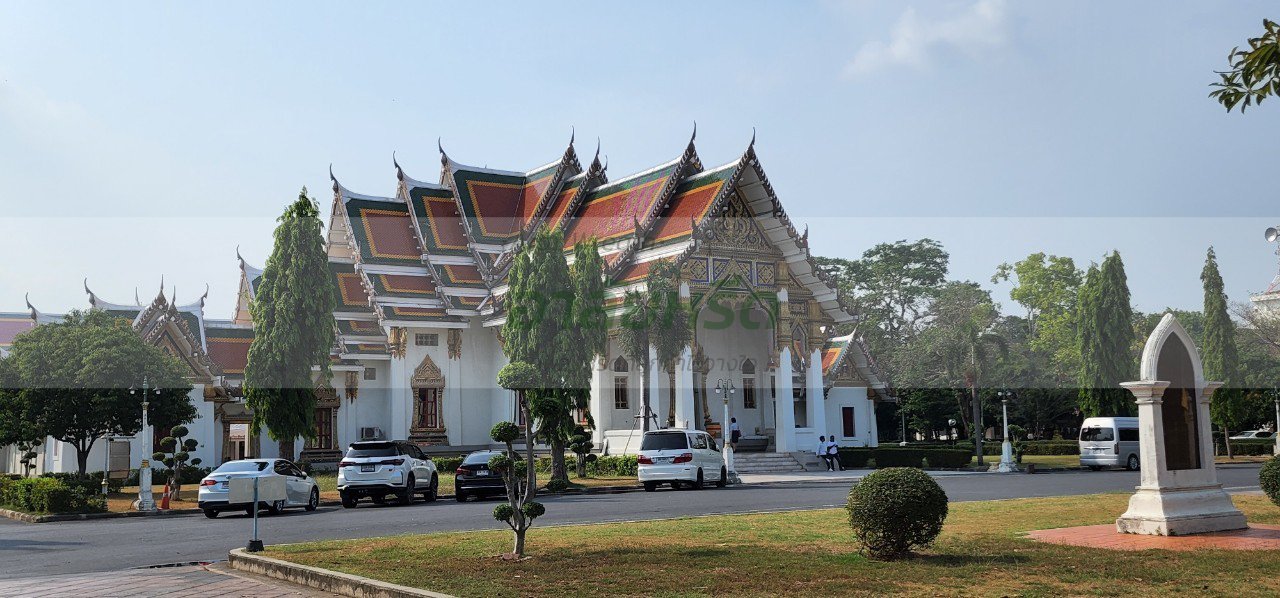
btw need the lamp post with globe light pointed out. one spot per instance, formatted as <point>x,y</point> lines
<point>1275,395</point>
<point>1006,464</point>
<point>725,389</point>
<point>145,501</point>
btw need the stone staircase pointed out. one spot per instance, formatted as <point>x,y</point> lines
<point>749,463</point>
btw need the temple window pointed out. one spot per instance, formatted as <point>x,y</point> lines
<point>370,374</point>
<point>620,399</point>
<point>426,340</point>
<point>748,384</point>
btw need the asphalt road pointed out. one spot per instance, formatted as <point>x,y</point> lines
<point>28,550</point>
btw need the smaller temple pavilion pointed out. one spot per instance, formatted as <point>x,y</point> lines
<point>420,273</point>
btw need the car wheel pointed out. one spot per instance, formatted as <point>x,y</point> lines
<point>432,490</point>
<point>349,501</point>
<point>650,486</point>
<point>697,484</point>
<point>314,501</point>
<point>724,478</point>
<point>211,514</point>
<point>405,496</point>
<point>276,507</point>
<point>1133,463</point>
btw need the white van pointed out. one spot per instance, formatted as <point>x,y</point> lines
<point>1109,442</point>
<point>679,457</point>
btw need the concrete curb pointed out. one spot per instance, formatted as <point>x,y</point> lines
<point>31,518</point>
<point>322,579</point>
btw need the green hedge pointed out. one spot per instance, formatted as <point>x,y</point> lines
<point>49,495</point>
<point>890,456</point>
<point>1247,448</point>
<point>447,464</point>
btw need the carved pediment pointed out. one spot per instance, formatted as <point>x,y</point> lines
<point>427,374</point>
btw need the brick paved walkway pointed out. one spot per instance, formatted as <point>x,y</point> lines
<point>213,580</point>
<point>1257,537</point>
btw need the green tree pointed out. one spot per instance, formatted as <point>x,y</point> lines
<point>1255,71</point>
<point>518,472</point>
<point>964,344</point>
<point>293,328</point>
<point>891,286</point>
<point>589,336</point>
<point>72,381</point>
<point>539,332</point>
<point>655,317</point>
<point>17,427</point>
<point>1220,357</point>
<point>1105,334</point>
<point>175,452</point>
<point>1047,287</point>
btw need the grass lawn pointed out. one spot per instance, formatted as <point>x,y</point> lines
<point>328,483</point>
<point>981,552</point>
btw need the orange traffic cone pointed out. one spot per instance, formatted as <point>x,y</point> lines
<point>164,502</point>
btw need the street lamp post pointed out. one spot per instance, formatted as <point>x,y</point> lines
<point>1006,448</point>
<point>1276,395</point>
<point>145,501</point>
<point>725,389</point>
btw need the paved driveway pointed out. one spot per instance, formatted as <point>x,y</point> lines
<point>174,582</point>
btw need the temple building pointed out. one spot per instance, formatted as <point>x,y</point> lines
<point>421,275</point>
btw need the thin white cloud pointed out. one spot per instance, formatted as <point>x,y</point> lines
<point>916,40</point>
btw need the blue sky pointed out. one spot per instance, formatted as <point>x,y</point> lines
<point>143,140</point>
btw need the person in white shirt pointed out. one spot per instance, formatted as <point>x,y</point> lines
<point>833,453</point>
<point>735,432</point>
<point>821,452</point>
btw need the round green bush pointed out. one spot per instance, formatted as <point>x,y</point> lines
<point>557,485</point>
<point>179,431</point>
<point>1269,479</point>
<point>499,463</point>
<point>895,510</point>
<point>503,512</point>
<point>504,432</point>
<point>533,509</point>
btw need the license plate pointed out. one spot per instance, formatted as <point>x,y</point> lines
<point>662,459</point>
<point>484,472</point>
<point>367,468</point>
<point>223,485</point>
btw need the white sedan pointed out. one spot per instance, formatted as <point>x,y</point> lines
<point>300,489</point>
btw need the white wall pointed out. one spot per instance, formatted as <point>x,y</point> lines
<point>863,415</point>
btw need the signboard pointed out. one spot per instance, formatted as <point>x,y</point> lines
<point>270,489</point>
<point>239,432</point>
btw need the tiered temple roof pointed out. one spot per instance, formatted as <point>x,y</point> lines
<point>437,253</point>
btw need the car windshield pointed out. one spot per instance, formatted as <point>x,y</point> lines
<point>241,466</point>
<point>372,450</point>
<point>662,442</point>
<point>1097,435</point>
<point>478,458</point>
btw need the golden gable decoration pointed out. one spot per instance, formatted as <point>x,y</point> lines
<point>427,374</point>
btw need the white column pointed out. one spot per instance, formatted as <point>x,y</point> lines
<point>657,417</point>
<point>873,430</point>
<point>601,391</point>
<point>684,391</point>
<point>785,440</point>
<point>398,388</point>
<point>817,403</point>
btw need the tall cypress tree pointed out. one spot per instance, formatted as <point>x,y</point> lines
<point>293,327</point>
<point>1221,360</point>
<point>1105,332</point>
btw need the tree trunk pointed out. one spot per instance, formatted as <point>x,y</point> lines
<point>582,465</point>
<point>1226,438</point>
<point>559,471</point>
<point>82,457</point>
<point>518,550</point>
<point>286,449</point>
<point>644,396</point>
<point>977,423</point>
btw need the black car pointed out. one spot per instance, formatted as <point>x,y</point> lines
<point>475,479</point>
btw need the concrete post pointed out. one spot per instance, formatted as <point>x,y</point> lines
<point>685,410</point>
<point>817,404</point>
<point>785,441</point>
<point>401,406</point>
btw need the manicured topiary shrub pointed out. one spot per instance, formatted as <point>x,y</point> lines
<point>1269,479</point>
<point>557,485</point>
<point>895,510</point>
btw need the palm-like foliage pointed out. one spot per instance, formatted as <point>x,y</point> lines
<point>655,317</point>
<point>1255,71</point>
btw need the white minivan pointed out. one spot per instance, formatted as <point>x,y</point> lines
<point>1109,442</point>
<point>679,457</point>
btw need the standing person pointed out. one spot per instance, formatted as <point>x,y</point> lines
<point>833,453</point>
<point>735,432</point>
<point>821,451</point>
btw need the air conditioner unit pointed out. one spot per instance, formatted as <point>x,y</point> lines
<point>370,433</point>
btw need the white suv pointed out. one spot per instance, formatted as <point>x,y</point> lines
<point>679,457</point>
<point>382,468</point>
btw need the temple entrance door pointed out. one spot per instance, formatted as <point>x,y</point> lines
<point>427,423</point>
<point>428,408</point>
